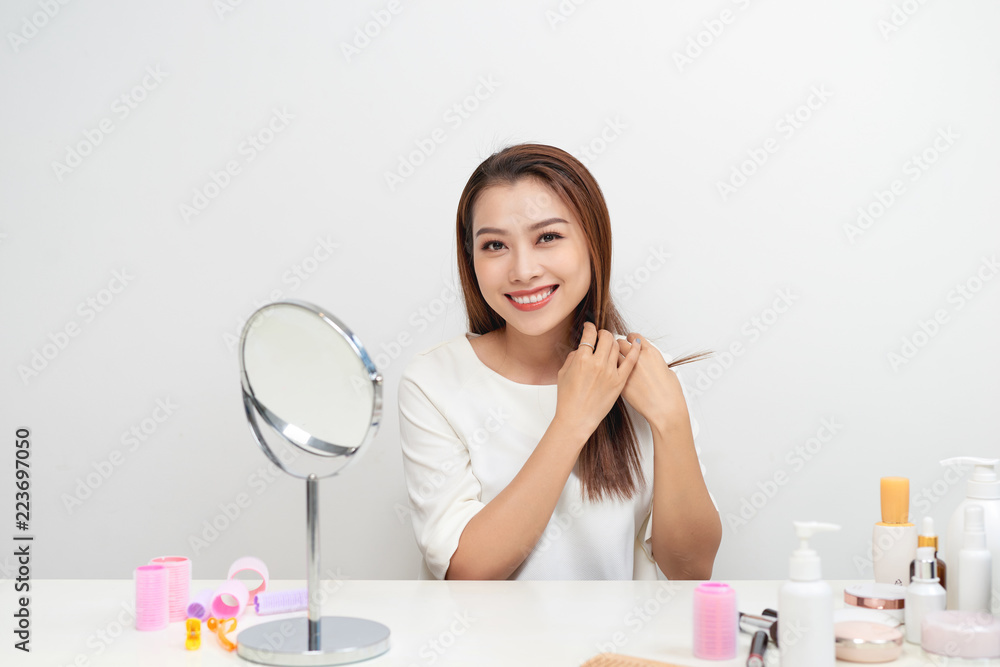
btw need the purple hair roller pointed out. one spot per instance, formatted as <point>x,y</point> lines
<point>279,602</point>
<point>201,605</point>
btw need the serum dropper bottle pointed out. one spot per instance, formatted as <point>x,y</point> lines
<point>894,539</point>
<point>928,538</point>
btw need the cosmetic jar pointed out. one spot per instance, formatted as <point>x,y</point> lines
<point>961,634</point>
<point>889,598</point>
<point>864,641</point>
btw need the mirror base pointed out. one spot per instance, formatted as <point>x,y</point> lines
<point>285,642</point>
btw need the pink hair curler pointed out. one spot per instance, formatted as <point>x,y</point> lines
<point>716,621</point>
<point>253,565</point>
<point>179,584</point>
<point>151,596</point>
<point>230,599</point>
<point>279,602</point>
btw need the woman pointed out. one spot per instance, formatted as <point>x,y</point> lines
<point>541,445</point>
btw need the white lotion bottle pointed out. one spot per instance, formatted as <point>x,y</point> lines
<point>975,564</point>
<point>894,538</point>
<point>924,594</point>
<point>805,606</point>
<point>982,489</point>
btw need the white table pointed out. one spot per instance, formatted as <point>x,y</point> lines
<point>550,623</point>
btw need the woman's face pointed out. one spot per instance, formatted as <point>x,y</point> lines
<point>530,256</point>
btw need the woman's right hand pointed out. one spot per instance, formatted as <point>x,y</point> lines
<point>591,379</point>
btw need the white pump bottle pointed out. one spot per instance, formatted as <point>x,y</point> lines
<point>805,606</point>
<point>983,488</point>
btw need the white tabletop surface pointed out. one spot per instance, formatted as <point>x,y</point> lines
<point>550,623</point>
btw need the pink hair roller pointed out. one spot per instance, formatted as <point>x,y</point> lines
<point>230,599</point>
<point>253,565</point>
<point>716,621</point>
<point>179,584</point>
<point>279,602</point>
<point>151,587</point>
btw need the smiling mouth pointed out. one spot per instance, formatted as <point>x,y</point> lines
<point>541,295</point>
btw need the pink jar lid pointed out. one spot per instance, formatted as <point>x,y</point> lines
<point>961,634</point>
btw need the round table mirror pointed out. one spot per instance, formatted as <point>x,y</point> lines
<point>313,400</point>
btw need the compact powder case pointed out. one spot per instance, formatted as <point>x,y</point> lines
<point>864,641</point>
<point>885,597</point>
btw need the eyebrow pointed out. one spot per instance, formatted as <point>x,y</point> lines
<point>537,225</point>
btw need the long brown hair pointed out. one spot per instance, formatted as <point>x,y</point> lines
<point>609,464</point>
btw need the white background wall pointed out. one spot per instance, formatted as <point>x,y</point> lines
<point>887,81</point>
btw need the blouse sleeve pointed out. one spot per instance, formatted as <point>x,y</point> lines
<point>646,530</point>
<point>444,493</point>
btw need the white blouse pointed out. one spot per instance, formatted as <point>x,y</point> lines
<point>466,431</point>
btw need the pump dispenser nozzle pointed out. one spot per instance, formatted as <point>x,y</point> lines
<point>984,482</point>
<point>804,564</point>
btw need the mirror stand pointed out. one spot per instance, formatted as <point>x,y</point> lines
<point>317,639</point>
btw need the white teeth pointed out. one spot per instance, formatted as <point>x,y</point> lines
<point>535,298</point>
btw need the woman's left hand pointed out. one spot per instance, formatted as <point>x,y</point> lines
<point>652,388</point>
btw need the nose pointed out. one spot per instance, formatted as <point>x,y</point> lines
<point>524,266</point>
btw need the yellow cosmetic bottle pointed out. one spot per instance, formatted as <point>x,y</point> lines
<point>894,539</point>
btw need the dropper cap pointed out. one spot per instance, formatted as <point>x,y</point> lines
<point>804,564</point>
<point>895,500</point>
<point>925,565</point>
<point>927,536</point>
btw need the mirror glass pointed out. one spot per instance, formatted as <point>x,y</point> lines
<point>308,377</point>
